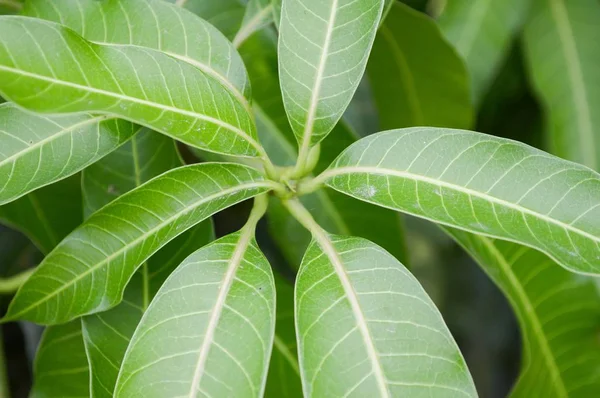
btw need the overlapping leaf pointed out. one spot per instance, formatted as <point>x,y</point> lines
<point>562,48</point>
<point>154,24</point>
<point>209,330</point>
<point>88,271</point>
<point>323,51</point>
<point>482,32</point>
<point>409,86</point>
<point>225,15</point>
<point>259,13</point>
<point>48,68</point>
<point>367,328</point>
<point>480,184</point>
<point>558,313</point>
<point>38,150</point>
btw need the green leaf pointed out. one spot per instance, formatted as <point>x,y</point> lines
<point>557,312</point>
<point>482,32</point>
<point>562,49</point>
<point>323,51</point>
<point>88,271</point>
<point>153,24</point>
<point>277,12</point>
<point>367,328</point>
<point>38,150</point>
<point>47,215</point>
<point>10,7</point>
<point>482,184</point>
<point>209,329</point>
<point>225,15</point>
<point>283,380</point>
<point>55,70</point>
<point>409,86</point>
<point>61,366</point>
<point>259,14</point>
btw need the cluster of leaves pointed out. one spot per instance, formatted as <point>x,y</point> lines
<point>139,298</point>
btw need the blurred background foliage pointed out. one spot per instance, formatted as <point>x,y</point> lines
<point>501,67</point>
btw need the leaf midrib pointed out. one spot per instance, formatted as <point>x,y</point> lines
<point>133,243</point>
<point>405,174</point>
<point>123,97</point>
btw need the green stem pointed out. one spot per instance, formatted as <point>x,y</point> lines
<point>261,202</point>
<point>305,218</point>
<point>13,283</point>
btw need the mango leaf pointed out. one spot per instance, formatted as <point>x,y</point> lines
<point>153,24</point>
<point>46,67</point>
<point>283,380</point>
<point>47,215</point>
<point>209,330</point>
<point>563,56</point>
<point>409,86</point>
<point>225,15</point>
<point>88,271</point>
<point>10,7</point>
<point>481,184</point>
<point>277,12</point>
<point>259,13</point>
<point>366,327</point>
<point>107,334</point>
<point>61,367</point>
<point>38,150</point>
<point>557,312</point>
<point>323,51</point>
<point>482,32</point>
<point>335,212</point>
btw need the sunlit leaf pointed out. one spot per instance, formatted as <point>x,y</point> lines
<point>88,271</point>
<point>409,86</point>
<point>323,50</point>
<point>561,45</point>
<point>481,184</point>
<point>367,328</point>
<point>48,68</point>
<point>558,313</point>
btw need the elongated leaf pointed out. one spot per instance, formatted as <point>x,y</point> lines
<point>409,86</point>
<point>558,314</point>
<point>562,48</point>
<point>47,215</point>
<point>259,13</point>
<point>225,15</point>
<point>48,68</point>
<point>482,32</point>
<point>481,184</point>
<point>61,367</point>
<point>154,24</point>
<point>323,51</point>
<point>38,150</point>
<point>367,328</point>
<point>283,380</point>
<point>88,271</point>
<point>107,334</point>
<point>209,331</point>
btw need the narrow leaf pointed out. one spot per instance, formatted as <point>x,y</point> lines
<point>482,32</point>
<point>38,150</point>
<point>61,366</point>
<point>482,184</point>
<point>259,13</point>
<point>409,86</point>
<point>88,271</point>
<point>366,327</point>
<point>209,330</point>
<point>557,312</point>
<point>48,68</point>
<point>153,24</point>
<point>562,49</point>
<point>323,51</point>
<point>225,15</point>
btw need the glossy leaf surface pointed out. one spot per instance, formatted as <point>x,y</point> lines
<point>558,313</point>
<point>409,86</point>
<point>561,45</point>
<point>481,184</point>
<point>209,330</point>
<point>38,150</point>
<point>88,271</point>
<point>48,68</point>
<point>366,327</point>
<point>323,50</point>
